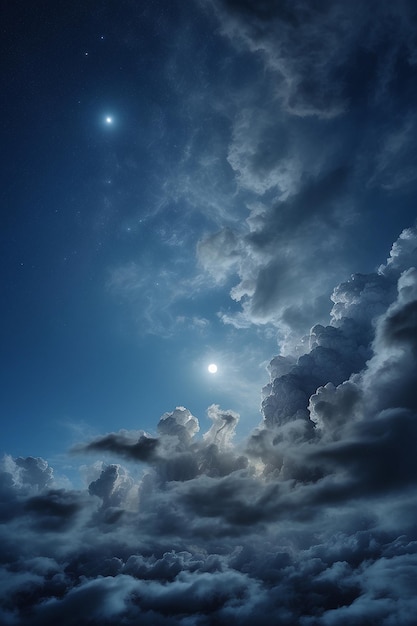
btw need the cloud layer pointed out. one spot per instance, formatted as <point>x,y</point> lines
<point>311,520</point>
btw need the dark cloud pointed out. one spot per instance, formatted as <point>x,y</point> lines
<point>324,128</point>
<point>309,521</point>
<point>380,454</point>
<point>401,326</point>
<point>325,56</point>
<point>141,449</point>
<point>54,509</point>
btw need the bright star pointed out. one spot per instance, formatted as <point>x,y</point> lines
<point>212,368</point>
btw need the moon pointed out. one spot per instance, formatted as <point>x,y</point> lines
<point>212,368</point>
<point>109,120</point>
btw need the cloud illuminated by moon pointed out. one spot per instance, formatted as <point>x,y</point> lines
<point>212,368</point>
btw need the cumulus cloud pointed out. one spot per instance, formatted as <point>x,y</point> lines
<point>311,520</point>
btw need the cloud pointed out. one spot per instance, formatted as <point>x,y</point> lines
<point>312,50</point>
<point>310,520</point>
<point>320,128</point>
<point>279,257</point>
<point>140,449</point>
<point>284,157</point>
<point>223,428</point>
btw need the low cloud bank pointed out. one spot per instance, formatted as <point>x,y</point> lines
<point>311,520</point>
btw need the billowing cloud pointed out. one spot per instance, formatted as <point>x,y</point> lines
<point>311,520</point>
<point>325,119</point>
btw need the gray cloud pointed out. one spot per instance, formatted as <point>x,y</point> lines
<point>311,49</point>
<point>325,117</point>
<point>141,449</point>
<point>311,520</point>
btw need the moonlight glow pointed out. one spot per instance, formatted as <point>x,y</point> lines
<point>212,368</point>
<point>109,120</point>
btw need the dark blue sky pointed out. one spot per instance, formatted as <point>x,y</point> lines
<point>87,204</point>
<point>195,182</point>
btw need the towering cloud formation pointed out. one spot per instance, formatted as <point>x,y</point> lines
<point>311,520</point>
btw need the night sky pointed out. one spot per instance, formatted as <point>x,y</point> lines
<point>189,183</point>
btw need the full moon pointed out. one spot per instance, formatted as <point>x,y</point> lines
<point>109,120</point>
<point>212,368</point>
